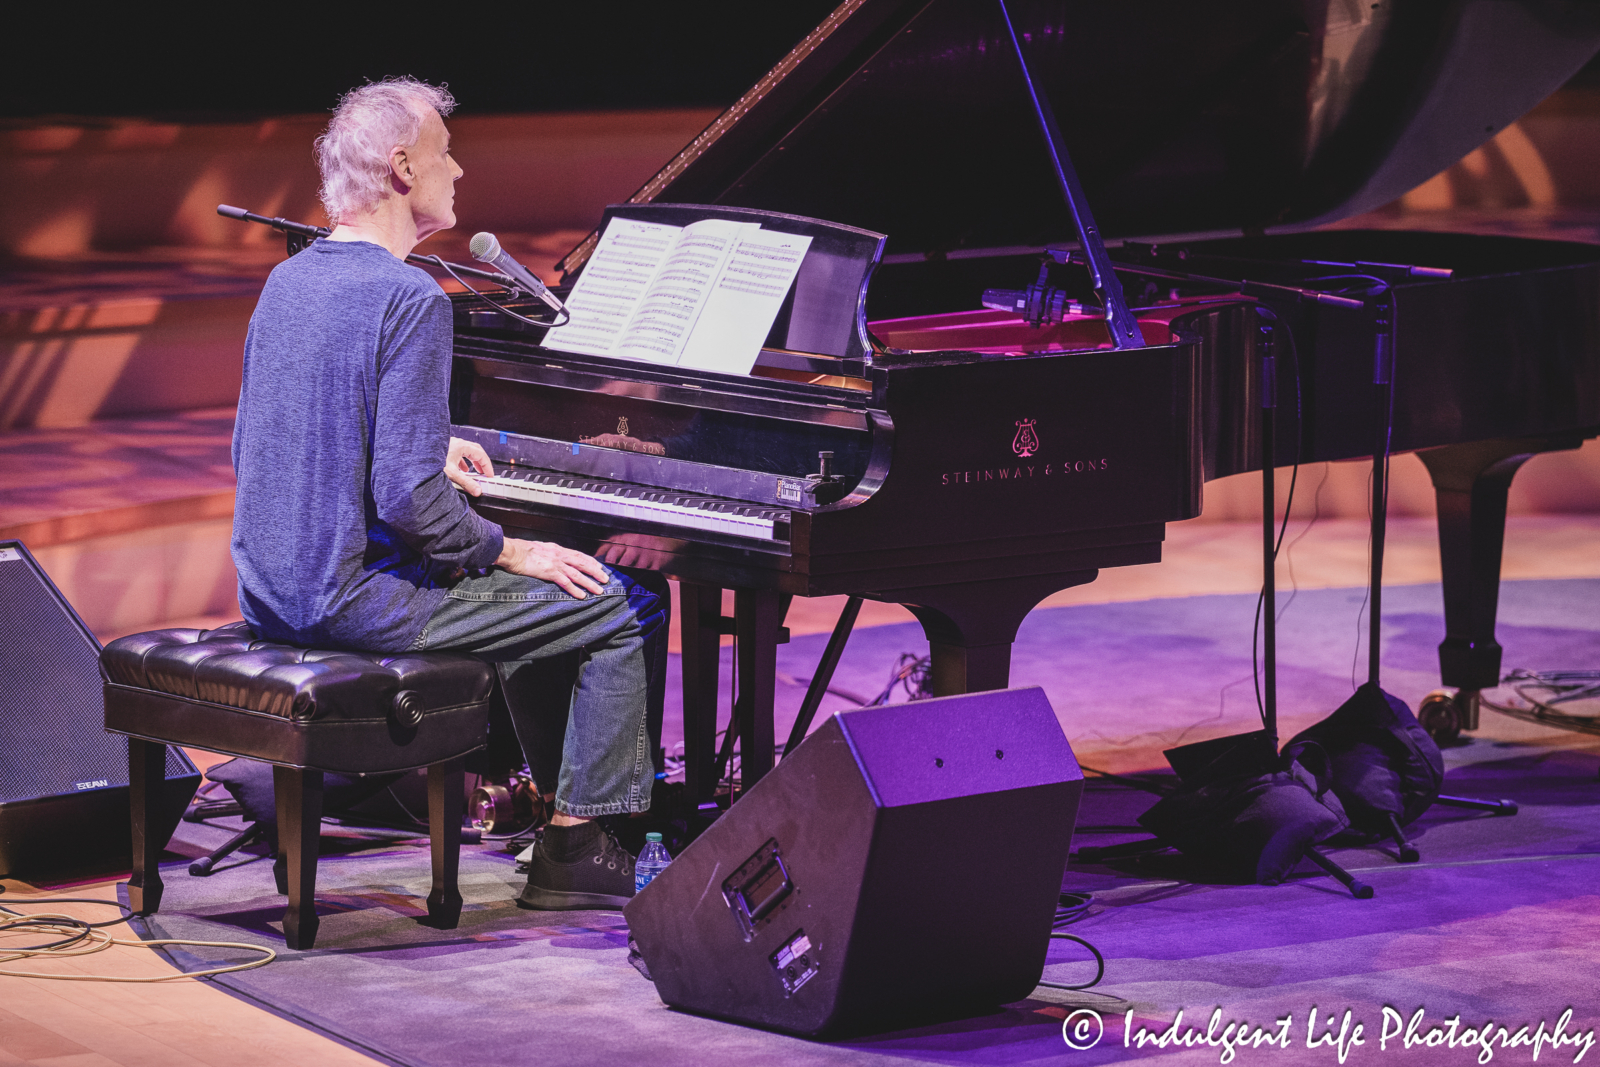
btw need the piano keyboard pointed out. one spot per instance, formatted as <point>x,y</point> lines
<point>669,507</point>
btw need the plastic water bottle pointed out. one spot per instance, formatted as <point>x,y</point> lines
<point>652,861</point>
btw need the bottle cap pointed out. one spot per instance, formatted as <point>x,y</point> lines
<point>652,837</point>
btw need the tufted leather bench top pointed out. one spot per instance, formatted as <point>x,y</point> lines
<point>229,666</point>
<point>354,711</point>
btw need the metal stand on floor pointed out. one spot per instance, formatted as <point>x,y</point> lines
<point>1256,753</point>
<point>1383,380</point>
<point>202,867</point>
<point>1383,387</point>
<point>824,676</point>
<point>817,689</point>
<point>1269,574</point>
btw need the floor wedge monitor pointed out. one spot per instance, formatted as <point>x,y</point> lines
<point>63,779</point>
<point>902,865</point>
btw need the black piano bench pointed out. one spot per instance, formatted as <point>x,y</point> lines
<point>304,711</point>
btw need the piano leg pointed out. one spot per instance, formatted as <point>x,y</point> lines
<point>970,626</point>
<point>758,616</point>
<point>700,630</point>
<point>1471,482</point>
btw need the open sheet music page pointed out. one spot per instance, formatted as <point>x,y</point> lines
<point>703,295</point>
<point>608,292</point>
<point>672,304</point>
<point>745,301</point>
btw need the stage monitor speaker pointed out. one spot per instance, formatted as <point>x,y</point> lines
<point>63,779</point>
<point>902,865</point>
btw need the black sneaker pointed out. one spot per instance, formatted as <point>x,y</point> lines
<point>577,868</point>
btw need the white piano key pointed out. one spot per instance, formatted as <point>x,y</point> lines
<point>635,502</point>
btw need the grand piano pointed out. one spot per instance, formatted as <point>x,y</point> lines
<point>896,440</point>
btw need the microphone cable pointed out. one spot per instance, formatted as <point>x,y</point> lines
<point>1071,908</point>
<point>1288,507</point>
<point>79,937</point>
<point>1371,287</point>
<point>566,315</point>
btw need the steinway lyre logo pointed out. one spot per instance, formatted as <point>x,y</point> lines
<point>622,426</point>
<point>1026,443</point>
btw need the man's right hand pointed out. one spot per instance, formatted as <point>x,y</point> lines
<point>571,570</point>
<point>464,461</point>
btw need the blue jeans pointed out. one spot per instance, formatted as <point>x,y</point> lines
<point>513,622</point>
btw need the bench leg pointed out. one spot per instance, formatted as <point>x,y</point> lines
<point>445,809</point>
<point>299,799</point>
<point>147,777</point>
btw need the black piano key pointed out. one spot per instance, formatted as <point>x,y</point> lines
<point>645,494</point>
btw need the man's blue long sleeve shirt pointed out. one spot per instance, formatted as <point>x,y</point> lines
<point>346,529</point>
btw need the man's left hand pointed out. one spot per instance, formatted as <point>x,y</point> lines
<point>463,460</point>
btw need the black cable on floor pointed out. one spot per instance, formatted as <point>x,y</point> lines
<point>24,920</point>
<point>1070,908</point>
<point>82,938</point>
<point>1100,963</point>
<point>1126,780</point>
<point>78,900</point>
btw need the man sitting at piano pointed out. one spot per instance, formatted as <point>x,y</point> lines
<point>347,530</point>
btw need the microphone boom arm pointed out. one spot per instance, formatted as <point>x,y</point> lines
<point>301,229</point>
<point>1243,286</point>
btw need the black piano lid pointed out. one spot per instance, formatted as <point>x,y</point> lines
<point>907,117</point>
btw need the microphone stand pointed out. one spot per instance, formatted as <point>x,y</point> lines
<point>1269,575</point>
<point>1383,383</point>
<point>1383,387</point>
<point>1262,748</point>
<point>1269,553</point>
<point>1242,286</point>
<point>300,234</point>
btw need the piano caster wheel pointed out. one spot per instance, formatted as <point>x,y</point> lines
<point>1440,716</point>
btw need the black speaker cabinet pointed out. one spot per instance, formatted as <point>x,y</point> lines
<point>903,864</point>
<point>63,779</point>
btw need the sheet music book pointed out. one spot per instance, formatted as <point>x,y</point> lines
<point>703,295</point>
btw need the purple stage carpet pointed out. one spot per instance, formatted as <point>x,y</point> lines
<point>1497,926</point>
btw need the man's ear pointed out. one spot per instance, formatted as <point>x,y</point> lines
<point>401,175</point>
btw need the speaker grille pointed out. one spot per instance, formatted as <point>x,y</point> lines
<point>52,734</point>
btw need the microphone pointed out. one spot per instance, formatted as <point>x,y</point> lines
<point>486,248</point>
<point>1037,304</point>
<point>1403,268</point>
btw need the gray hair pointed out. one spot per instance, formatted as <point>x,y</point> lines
<point>353,155</point>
